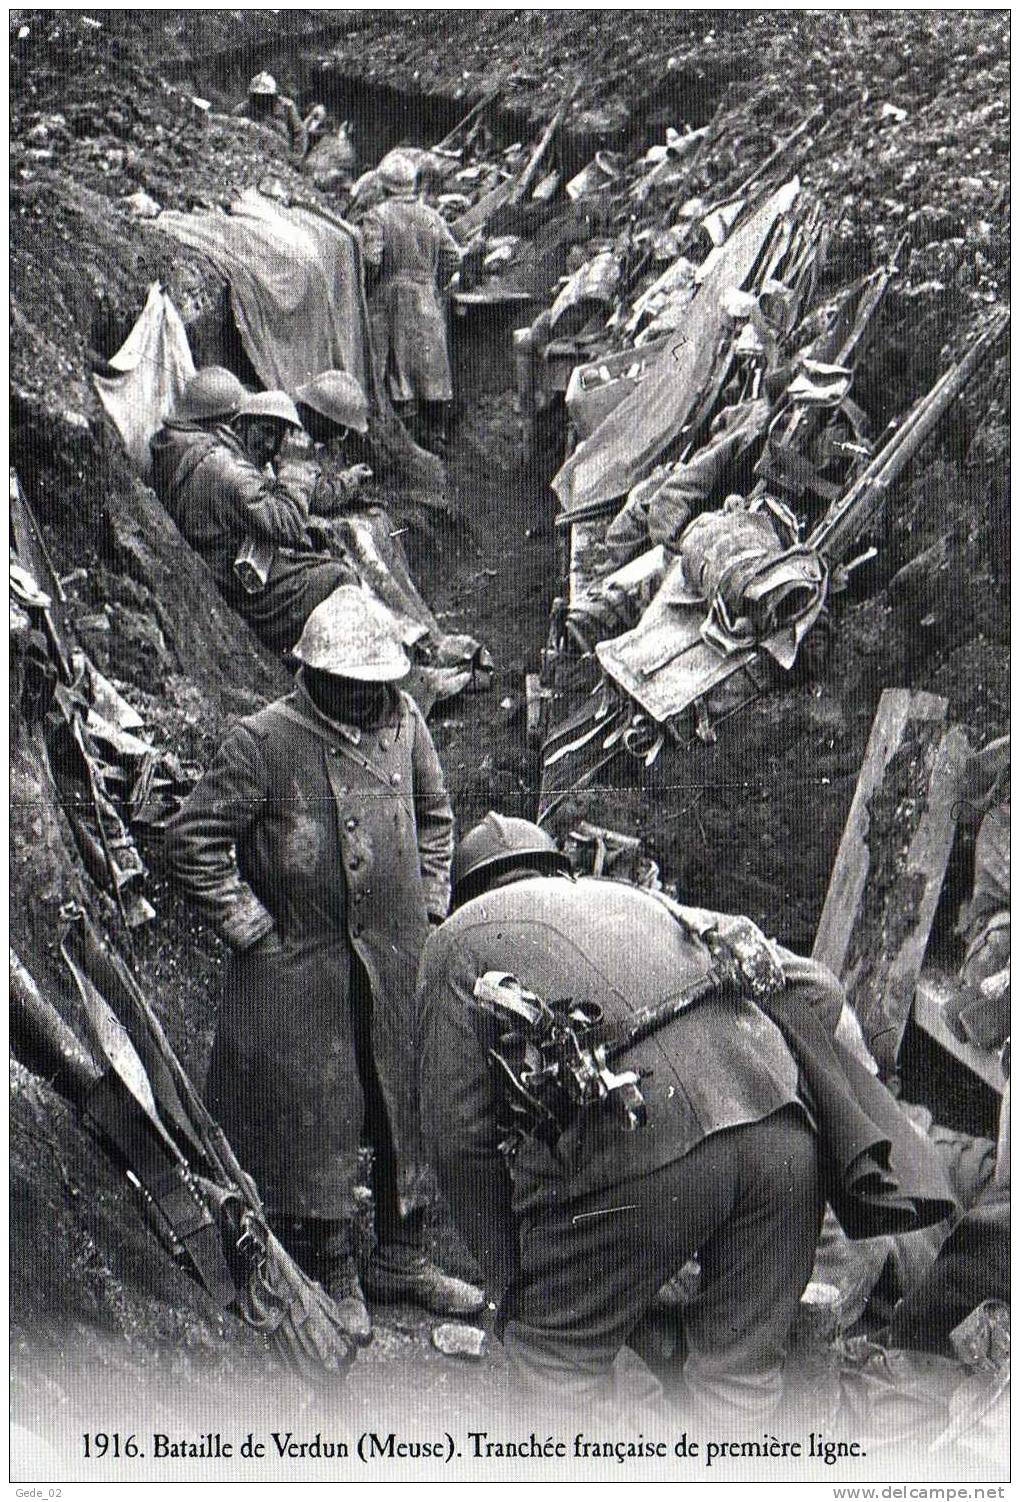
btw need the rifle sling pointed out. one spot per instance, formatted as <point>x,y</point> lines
<point>122,1121</point>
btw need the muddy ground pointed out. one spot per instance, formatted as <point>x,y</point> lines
<point>748,825</point>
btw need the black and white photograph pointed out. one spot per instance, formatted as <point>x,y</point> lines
<point>510,748</point>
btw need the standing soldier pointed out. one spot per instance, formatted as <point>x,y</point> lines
<point>319,844</point>
<point>753,1118</point>
<point>267,106</point>
<point>415,256</point>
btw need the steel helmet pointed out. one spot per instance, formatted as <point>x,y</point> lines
<point>263,83</point>
<point>352,635</point>
<point>336,395</point>
<point>275,404</point>
<point>501,840</point>
<point>397,172</point>
<point>211,392</point>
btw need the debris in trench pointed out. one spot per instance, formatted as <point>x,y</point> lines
<point>465,1341</point>
<point>107,775</point>
<point>596,851</point>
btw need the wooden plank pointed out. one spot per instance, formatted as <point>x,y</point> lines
<point>534,696</point>
<point>888,872</point>
<point>492,297</point>
<point>933,991</point>
<point>850,870</point>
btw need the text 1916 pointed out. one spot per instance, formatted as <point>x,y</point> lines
<point>113,1445</point>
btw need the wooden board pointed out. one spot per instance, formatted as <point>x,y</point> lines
<point>888,872</point>
<point>489,297</point>
<point>665,666</point>
<point>933,991</point>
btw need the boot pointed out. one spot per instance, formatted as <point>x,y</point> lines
<point>403,1274</point>
<point>342,1285</point>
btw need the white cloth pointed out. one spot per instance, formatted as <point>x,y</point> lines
<point>154,365</point>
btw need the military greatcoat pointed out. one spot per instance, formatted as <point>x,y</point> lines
<point>416,255</point>
<point>221,501</point>
<point>335,842</point>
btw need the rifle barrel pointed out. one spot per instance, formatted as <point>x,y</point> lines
<point>842,524</point>
<point>43,1040</point>
<point>652,1019</point>
<point>530,172</point>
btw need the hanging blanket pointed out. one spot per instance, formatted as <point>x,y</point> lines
<point>296,286</point>
<point>623,449</point>
<point>153,366</point>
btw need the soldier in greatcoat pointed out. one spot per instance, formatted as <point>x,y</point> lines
<point>319,845</point>
<point>251,527</point>
<point>409,247</point>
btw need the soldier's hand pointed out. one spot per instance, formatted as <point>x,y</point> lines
<point>741,946</point>
<point>361,473</point>
<point>267,945</point>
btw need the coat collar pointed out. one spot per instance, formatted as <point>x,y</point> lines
<point>303,700</point>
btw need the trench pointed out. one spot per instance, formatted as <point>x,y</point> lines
<point>385,117</point>
<point>729,823</point>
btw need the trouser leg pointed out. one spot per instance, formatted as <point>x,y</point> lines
<point>754,1267</point>
<point>315,1244</point>
<point>435,424</point>
<point>399,1268</point>
<point>410,415</point>
<point>749,1198</point>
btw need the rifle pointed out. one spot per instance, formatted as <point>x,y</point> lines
<point>475,112</point>
<point>43,1040</point>
<point>530,172</point>
<point>149,1107</point>
<point>858,507</point>
<point>557,1057</point>
<point>796,422</point>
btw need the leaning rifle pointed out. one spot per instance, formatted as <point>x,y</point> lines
<point>258,1277</point>
<point>857,509</point>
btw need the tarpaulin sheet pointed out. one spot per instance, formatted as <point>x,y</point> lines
<point>154,364</point>
<point>624,447</point>
<point>296,286</point>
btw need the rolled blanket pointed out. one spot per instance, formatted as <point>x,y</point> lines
<point>760,585</point>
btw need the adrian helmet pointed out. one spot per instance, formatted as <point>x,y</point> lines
<point>352,635</point>
<point>271,404</point>
<point>502,841</point>
<point>263,83</point>
<point>397,172</point>
<point>337,396</point>
<point>212,392</point>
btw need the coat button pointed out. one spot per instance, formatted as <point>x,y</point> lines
<point>395,779</point>
<point>354,862</point>
<point>351,824</point>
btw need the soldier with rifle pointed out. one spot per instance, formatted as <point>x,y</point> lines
<point>611,1084</point>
